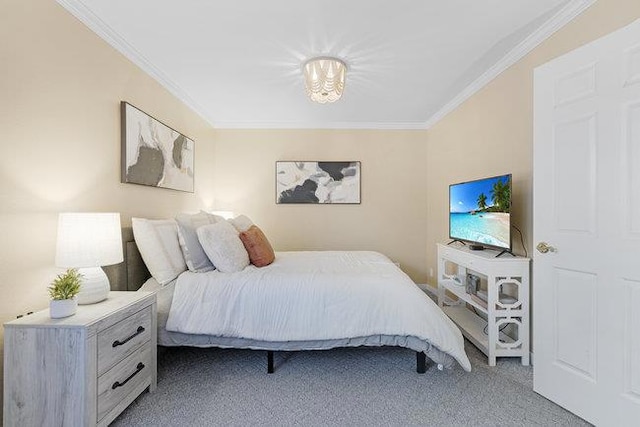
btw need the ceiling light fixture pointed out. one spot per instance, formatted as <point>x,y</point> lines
<point>324,78</point>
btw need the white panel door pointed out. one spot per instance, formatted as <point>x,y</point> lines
<point>586,288</point>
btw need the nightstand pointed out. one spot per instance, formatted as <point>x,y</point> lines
<point>81,370</point>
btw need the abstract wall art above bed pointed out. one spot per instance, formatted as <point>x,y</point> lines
<point>318,182</point>
<point>153,153</point>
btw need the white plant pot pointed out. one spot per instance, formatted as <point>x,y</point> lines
<point>62,307</point>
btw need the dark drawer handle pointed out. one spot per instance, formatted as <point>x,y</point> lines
<point>135,334</point>
<point>117,384</point>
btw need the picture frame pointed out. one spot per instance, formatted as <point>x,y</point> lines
<point>154,154</point>
<point>318,182</point>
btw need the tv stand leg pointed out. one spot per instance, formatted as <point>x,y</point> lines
<point>455,240</point>
<point>505,252</point>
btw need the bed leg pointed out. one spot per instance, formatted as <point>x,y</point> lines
<point>269,362</point>
<point>421,362</point>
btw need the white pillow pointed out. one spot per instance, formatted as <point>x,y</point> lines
<point>223,246</point>
<point>157,241</point>
<point>241,223</point>
<point>194,255</point>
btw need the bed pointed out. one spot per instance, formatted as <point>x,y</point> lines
<point>303,301</point>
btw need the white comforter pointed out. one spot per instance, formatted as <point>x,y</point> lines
<point>312,296</point>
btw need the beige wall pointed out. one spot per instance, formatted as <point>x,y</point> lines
<point>391,218</point>
<point>492,132</point>
<point>60,90</point>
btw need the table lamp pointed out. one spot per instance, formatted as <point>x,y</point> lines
<point>87,241</point>
<point>224,214</point>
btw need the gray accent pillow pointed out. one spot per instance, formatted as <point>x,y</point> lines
<point>188,224</point>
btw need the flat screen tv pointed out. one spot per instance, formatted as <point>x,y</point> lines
<point>480,212</point>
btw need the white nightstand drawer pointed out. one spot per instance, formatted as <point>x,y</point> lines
<point>120,340</point>
<point>122,380</point>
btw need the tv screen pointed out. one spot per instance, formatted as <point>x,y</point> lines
<point>479,211</point>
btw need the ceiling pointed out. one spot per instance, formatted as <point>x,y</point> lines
<point>238,63</point>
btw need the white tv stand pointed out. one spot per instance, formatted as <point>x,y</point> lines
<point>500,274</point>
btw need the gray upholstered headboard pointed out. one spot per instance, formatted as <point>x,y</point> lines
<point>130,274</point>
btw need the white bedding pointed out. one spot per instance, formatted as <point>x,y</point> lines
<point>313,296</point>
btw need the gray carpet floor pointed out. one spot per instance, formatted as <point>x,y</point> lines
<point>358,386</point>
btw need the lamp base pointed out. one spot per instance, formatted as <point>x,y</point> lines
<point>95,285</point>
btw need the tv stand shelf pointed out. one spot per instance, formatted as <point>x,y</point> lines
<point>467,312</point>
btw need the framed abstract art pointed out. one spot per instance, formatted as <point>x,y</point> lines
<point>317,182</point>
<point>153,153</point>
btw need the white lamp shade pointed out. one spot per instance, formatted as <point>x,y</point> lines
<point>88,240</point>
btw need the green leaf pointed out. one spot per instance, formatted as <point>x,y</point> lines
<point>66,285</point>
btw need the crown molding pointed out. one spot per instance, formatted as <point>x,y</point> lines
<point>78,9</point>
<point>317,125</point>
<point>556,22</point>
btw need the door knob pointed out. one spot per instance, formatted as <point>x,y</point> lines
<point>544,247</point>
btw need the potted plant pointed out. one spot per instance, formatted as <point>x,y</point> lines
<point>63,291</point>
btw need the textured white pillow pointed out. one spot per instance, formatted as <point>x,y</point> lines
<point>157,241</point>
<point>223,246</point>
<point>241,223</point>
<point>195,257</point>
